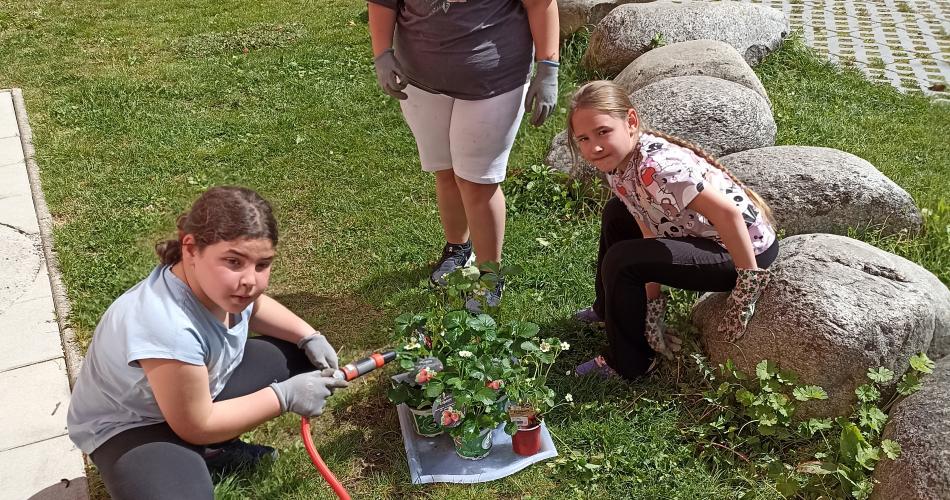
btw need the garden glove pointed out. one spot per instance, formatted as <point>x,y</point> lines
<point>306,394</point>
<point>542,92</point>
<point>661,341</point>
<point>319,351</point>
<point>387,71</point>
<point>741,302</point>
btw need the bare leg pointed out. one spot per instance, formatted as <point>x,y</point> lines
<point>451,209</point>
<point>485,208</point>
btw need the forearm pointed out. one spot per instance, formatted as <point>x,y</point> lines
<point>543,21</point>
<point>233,417</point>
<point>735,236</point>
<point>382,24</point>
<point>271,318</point>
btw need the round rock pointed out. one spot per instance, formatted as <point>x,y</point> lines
<point>921,425</point>
<point>720,116</point>
<point>835,308</point>
<point>559,158</point>
<point>630,30</point>
<point>693,58</point>
<point>575,14</point>
<point>824,190</point>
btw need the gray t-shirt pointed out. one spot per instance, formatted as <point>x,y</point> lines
<point>466,49</point>
<point>158,318</point>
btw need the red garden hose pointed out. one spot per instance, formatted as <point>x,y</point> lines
<point>318,461</point>
<point>348,372</point>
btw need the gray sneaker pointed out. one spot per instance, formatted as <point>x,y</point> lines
<point>492,298</point>
<point>454,256</point>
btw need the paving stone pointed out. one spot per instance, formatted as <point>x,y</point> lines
<point>28,328</point>
<point>11,150</point>
<point>35,399</point>
<point>16,199</point>
<point>37,471</point>
<point>8,123</point>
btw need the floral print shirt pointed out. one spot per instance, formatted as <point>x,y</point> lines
<point>659,189</point>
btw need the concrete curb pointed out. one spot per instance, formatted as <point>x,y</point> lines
<point>71,346</point>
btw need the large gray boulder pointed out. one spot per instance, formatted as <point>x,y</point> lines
<point>834,308</point>
<point>693,58</point>
<point>559,158</point>
<point>921,425</point>
<point>824,190</point>
<point>720,116</point>
<point>631,30</point>
<point>575,14</point>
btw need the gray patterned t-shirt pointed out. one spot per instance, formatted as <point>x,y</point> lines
<point>658,191</point>
<point>467,49</point>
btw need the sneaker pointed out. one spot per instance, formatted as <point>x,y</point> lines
<point>492,298</point>
<point>589,317</point>
<point>454,256</point>
<point>597,366</point>
<point>237,456</point>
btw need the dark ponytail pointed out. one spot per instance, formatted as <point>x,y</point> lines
<point>222,213</point>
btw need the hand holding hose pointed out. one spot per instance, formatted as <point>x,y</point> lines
<point>319,351</point>
<point>306,394</point>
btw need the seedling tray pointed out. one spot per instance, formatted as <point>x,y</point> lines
<point>433,460</point>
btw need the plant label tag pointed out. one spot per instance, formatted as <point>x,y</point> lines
<point>522,416</point>
<point>444,402</point>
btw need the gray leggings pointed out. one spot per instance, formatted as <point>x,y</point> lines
<point>152,462</point>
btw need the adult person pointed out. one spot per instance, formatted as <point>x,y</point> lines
<point>460,69</point>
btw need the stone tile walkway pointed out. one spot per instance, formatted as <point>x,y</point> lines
<point>904,43</point>
<point>37,460</point>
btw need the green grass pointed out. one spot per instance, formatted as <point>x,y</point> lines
<point>136,107</point>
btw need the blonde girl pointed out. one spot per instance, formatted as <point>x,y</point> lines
<point>171,378</point>
<point>679,218</point>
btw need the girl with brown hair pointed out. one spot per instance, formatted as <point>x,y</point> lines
<point>171,378</point>
<point>679,219</point>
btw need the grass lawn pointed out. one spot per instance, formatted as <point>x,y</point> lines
<point>136,107</point>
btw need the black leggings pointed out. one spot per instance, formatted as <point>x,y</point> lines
<point>152,462</point>
<point>626,262</point>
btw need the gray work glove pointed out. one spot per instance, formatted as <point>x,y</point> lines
<point>741,302</point>
<point>542,93</point>
<point>319,351</point>
<point>660,340</point>
<point>306,394</point>
<point>387,71</point>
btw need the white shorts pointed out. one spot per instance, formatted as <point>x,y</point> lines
<point>472,137</point>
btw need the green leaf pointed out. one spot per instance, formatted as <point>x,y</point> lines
<point>892,449</point>
<point>530,346</point>
<point>434,388</point>
<point>787,485</point>
<point>881,375</point>
<point>922,363</point>
<point>862,489</point>
<point>871,417</point>
<point>868,456</point>
<point>867,393</point>
<point>807,392</point>
<point>481,323</point>
<point>524,329</point>
<point>813,425</point>
<point>485,396</point>
<point>850,442</point>
<point>744,397</point>
<point>909,384</point>
<point>816,467</point>
<point>765,369</point>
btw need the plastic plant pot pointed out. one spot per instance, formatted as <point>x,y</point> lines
<point>474,448</point>
<point>424,422</point>
<point>527,441</point>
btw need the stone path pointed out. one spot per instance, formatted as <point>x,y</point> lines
<point>37,459</point>
<point>903,43</point>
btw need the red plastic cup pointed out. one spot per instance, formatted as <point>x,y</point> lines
<point>527,442</point>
